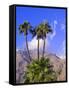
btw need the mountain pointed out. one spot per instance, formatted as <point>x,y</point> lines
<point>22,60</point>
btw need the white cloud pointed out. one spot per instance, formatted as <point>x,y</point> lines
<point>53,35</point>
<point>62,27</point>
<point>17,50</point>
<point>55,22</point>
<point>54,31</point>
<point>62,51</point>
<point>34,42</point>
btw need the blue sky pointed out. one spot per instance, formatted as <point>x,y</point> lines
<point>55,17</point>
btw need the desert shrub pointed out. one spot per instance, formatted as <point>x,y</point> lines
<point>40,71</point>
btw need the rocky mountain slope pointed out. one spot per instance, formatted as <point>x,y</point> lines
<point>22,59</point>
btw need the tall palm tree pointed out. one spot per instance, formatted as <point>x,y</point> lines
<point>37,32</point>
<point>45,28</point>
<point>24,28</point>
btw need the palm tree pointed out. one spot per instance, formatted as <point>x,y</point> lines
<point>24,28</point>
<point>37,32</point>
<point>45,29</point>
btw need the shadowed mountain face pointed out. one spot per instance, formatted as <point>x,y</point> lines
<point>22,60</point>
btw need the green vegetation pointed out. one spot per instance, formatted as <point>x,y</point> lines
<point>40,71</point>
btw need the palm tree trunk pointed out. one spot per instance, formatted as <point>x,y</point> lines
<point>28,48</point>
<point>38,49</point>
<point>43,48</point>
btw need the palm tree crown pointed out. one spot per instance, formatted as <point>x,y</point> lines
<point>45,28</point>
<point>23,28</point>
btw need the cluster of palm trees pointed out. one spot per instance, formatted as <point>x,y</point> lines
<point>40,31</point>
<point>39,70</point>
